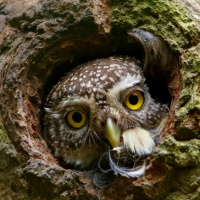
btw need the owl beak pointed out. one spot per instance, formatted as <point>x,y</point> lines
<point>112,133</point>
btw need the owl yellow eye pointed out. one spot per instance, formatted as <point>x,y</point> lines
<point>76,119</point>
<point>134,100</point>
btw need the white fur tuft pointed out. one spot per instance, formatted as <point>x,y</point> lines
<point>138,140</point>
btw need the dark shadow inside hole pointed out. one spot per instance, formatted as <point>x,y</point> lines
<point>159,90</point>
<point>158,86</point>
<point>119,46</point>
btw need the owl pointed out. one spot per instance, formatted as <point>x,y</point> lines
<point>101,115</point>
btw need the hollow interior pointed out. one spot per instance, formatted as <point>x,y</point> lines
<point>158,87</point>
<point>85,50</point>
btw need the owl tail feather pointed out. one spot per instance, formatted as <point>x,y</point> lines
<point>124,171</point>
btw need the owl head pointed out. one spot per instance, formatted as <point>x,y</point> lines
<point>102,112</point>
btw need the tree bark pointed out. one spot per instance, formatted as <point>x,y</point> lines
<point>40,40</point>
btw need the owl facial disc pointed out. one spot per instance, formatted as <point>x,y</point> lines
<point>101,101</point>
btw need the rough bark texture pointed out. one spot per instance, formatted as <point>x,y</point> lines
<point>37,37</point>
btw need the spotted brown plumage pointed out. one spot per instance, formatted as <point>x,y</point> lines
<point>100,112</point>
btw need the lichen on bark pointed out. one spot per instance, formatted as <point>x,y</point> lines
<point>165,18</point>
<point>188,115</point>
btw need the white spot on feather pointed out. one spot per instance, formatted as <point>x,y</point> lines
<point>114,65</point>
<point>103,77</point>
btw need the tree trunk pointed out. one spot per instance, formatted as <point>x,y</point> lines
<point>40,40</point>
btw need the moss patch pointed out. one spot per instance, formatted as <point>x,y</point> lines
<point>187,185</point>
<point>180,154</point>
<point>188,114</point>
<point>179,30</point>
<point>3,135</point>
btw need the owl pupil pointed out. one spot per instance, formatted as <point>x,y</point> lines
<point>133,99</point>
<point>77,117</point>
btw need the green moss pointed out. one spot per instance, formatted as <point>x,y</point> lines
<point>191,61</point>
<point>186,184</point>
<point>180,154</point>
<point>165,18</point>
<point>191,74</point>
<point>188,114</point>
<point>3,135</point>
<point>177,195</point>
<point>185,97</point>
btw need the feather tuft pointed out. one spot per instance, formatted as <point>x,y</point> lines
<point>124,171</point>
<point>138,141</point>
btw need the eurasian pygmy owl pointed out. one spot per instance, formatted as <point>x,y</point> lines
<point>102,112</point>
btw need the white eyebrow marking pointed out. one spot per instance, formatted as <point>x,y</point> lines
<point>124,83</point>
<point>70,100</point>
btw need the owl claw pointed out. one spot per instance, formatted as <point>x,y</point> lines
<point>137,140</point>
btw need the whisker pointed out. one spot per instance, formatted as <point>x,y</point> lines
<point>94,141</point>
<point>96,136</point>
